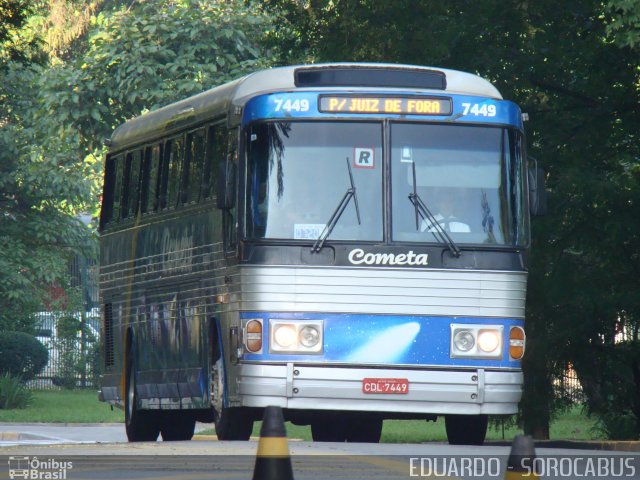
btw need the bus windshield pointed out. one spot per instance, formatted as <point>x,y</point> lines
<point>298,173</point>
<point>469,178</point>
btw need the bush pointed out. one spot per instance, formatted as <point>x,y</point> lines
<point>610,378</point>
<point>21,355</point>
<point>13,393</point>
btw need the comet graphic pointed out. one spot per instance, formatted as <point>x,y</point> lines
<point>387,346</point>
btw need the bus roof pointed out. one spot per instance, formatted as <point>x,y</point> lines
<point>216,102</point>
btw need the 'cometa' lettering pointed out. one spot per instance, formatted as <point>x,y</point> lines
<point>358,256</point>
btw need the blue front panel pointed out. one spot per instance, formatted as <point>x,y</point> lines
<point>389,340</point>
<point>465,109</point>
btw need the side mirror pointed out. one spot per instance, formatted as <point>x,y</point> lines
<point>226,191</point>
<point>537,191</point>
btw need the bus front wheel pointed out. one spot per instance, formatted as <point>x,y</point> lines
<point>141,425</point>
<point>466,429</point>
<point>231,423</point>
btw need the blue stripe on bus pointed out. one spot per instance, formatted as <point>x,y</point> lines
<point>385,339</point>
<point>301,105</point>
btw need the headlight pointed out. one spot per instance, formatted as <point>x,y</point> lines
<point>309,336</point>
<point>285,335</point>
<point>295,336</point>
<point>476,341</point>
<point>464,340</point>
<point>488,340</point>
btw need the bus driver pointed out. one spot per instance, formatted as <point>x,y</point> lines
<point>446,210</point>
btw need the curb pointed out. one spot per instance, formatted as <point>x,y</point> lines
<point>612,445</point>
<point>17,437</point>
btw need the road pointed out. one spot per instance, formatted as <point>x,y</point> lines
<point>206,458</point>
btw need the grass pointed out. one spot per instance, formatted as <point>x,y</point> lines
<point>82,406</point>
<point>63,406</point>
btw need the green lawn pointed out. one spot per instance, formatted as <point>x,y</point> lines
<point>82,406</point>
<point>64,406</point>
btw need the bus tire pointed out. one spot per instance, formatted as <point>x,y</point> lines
<point>178,426</point>
<point>234,424</point>
<point>364,428</point>
<point>140,425</point>
<point>466,429</point>
<point>231,423</point>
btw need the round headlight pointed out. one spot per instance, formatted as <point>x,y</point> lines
<point>488,341</point>
<point>309,336</point>
<point>285,336</point>
<point>463,340</point>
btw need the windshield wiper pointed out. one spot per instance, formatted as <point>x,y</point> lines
<point>337,213</point>
<point>434,225</point>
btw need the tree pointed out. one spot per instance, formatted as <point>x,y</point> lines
<point>58,110</point>
<point>36,231</point>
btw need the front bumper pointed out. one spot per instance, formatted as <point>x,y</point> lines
<point>298,386</point>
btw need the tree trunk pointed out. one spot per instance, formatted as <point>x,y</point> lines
<point>537,395</point>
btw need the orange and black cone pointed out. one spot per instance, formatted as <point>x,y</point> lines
<point>521,463</point>
<point>273,461</point>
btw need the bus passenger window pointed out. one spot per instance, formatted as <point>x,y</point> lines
<point>118,168</point>
<point>149,183</point>
<point>216,148</point>
<point>193,166</point>
<point>131,185</point>
<point>230,230</point>
<point>170,173</point>
<point>111,200</point>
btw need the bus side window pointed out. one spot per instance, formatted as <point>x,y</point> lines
<point>131,184</point>
<point>174,159</point>
<point>194,158</point>
<point>231,233</point>
<point>150,178</point>
<point>145,180</point>
<point>108,193</point>
<point>116,200</point>
<point>216,146</point>
<point>163,172</point>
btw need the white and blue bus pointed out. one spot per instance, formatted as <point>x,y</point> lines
<point>345,241</point>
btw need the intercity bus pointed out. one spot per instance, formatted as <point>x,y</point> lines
<point>345,241</point>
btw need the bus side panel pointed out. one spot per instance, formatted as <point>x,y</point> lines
<point>160,280</point>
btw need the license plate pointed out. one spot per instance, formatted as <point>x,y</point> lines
<point>394,386</point>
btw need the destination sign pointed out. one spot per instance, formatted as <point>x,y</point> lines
<point>379,104</point>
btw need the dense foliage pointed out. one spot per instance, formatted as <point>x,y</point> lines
<point>13,393</point>
<point>60,100</point>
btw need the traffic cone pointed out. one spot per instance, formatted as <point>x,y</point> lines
<point>273,461</point>
<point>521,463</point>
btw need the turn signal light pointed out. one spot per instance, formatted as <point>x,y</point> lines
<point>516,342</point>
<point>253,337</point>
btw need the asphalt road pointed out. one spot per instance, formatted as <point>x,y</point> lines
<point>107,456</point>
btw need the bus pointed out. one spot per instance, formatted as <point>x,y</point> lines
<point>345,241</point>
